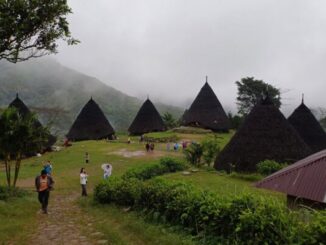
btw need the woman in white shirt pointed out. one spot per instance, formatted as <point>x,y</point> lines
<point>83,181</point>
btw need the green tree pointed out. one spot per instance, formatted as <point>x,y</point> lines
<point>31,28</point>
<point>193,154</point>
<point>235,120</point>
<point>169,120</point>
<point>18,136</point>
<point>211,149</point>
<point>250,92</point>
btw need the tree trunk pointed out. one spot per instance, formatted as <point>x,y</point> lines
<point>8,170</point>
<point>17,168</point>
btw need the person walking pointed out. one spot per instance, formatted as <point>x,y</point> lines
<point>44,184</point>
<point>107,170</point>
<point>87,157</point>
<point>48,167</point>
<point>83,181</point>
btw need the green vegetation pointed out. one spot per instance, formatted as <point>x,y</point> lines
<point>209,216</point>
<point>161,137</point>
<point>268,167</point>
<point>121,225</point>
<point>191,130</point>
<point>31,29</point>
<point>250,92</point>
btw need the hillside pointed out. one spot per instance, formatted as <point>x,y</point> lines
<point>58,93</point>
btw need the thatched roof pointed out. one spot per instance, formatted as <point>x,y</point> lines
<point>308,128</point>
<point>90,124</point>
<point>206,112</point>
<point>147,120</point>
<point>265,134</point>
<point>24,111</point>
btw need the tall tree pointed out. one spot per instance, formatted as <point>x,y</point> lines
<point>18,136</point>
<point>31,28</point>
<point>169,120</point>
<point>251,91</point>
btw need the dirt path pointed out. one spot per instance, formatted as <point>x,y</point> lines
<point>66,224</point>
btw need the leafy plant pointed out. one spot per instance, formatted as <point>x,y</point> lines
<point>268,167</point>
<point>211,149</point>
<point>193,154</point>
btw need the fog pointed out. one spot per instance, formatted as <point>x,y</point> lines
<point>165,48</point>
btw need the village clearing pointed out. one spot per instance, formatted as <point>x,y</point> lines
<point>76,220</point>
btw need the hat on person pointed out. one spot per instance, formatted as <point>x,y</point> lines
<point>43,172</point>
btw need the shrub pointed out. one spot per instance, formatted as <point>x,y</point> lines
<point>166,165</point>
<point>194,153</point>
<point>268,167</point>
<point>4,193</point>
<point>210,149</point>
<point>315,232</point>
<point>172,164</point>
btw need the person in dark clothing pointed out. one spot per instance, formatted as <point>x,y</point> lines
<point>147,147</point>
<point>44,184</point>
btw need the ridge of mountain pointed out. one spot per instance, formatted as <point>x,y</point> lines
<point>57,94</point>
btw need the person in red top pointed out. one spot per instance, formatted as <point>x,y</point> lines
<point>44,184</point>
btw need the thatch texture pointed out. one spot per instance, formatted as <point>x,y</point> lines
<point>24,111</point>
<point>147,120</point>
<point>90,124</point>
<point>206,112</point>
<point>265,134</point>
<point>308,128</point>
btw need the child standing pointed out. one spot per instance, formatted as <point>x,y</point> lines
<point>83,181</point>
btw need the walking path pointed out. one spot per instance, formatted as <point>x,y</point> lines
<point>66,223</point>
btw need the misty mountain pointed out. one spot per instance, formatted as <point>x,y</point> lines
<point>57,94</point>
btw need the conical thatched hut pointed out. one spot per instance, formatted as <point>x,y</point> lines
<point>90,124</point>
<point>308,128</point>
<point>24,111</point>
<point>147,120</point>
<point>206,112</point>
<point>265,134</point>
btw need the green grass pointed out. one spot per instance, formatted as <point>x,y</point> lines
<point>222,184</point>
<point>16,219</point>
<point>121,227</point>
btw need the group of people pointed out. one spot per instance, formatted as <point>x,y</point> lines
<point>176,146</point>
<point>149,147</point>
<point>44,182</point>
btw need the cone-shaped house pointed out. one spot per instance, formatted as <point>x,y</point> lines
<point>308,128</point>
<point>147,120</point>
<point>24,111</point>
<point>90,124</point>
<point>265,134</point>
<point>206,112</point>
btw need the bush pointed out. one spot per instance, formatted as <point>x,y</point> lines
<point>4,193</point>
<point>166,165</point>
<point>243,219</point>
<point>268,167</point>
<point>193,154</point>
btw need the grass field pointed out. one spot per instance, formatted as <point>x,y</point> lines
<point>118,226</point>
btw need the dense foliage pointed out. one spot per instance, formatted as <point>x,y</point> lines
<point>166,165</point>
<point>19,136</point>
<point>251,91</point>
<point>244,219</point>
<point>31,28</point>
<point>268,167</point>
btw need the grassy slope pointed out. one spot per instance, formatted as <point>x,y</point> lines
<point>119,226</point>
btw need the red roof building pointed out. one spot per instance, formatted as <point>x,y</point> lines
<point>303,181</point>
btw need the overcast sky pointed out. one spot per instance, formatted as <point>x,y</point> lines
<point>165,48</point>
